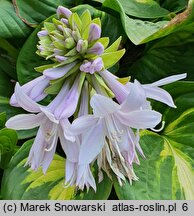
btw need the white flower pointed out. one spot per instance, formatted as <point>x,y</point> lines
<point>52,121</point>
<point>108,134</point>
<point>154,92</point>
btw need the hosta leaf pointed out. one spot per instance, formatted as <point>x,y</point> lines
<point>169,55</point>
<point>34,12</point>
<point>8,141</point>
<point>143,8</point>
<point>167,172</point>
<point>11,24</point>
<point>175,6</point>
<point>142,31</point>
<point>28,184</point>
<point>2,119</point>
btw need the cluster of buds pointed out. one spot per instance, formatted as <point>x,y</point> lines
<point>103,129</point>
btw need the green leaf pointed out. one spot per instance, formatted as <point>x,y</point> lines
<point>167,56</point>
<point>143,8</point>
<point>11,24</point>
<point>167,172</point>
<point>28,184</point>
<point>33,13</point>
<point>8,141</point>
<point>2,119</point>
<point>142,31</point>
<point>28,59</point>
<point>175,6</point>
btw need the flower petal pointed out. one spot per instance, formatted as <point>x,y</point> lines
<point>159,94</point>
<point>37,151</point>
<point>118,89</point>
<point>63,11</point>
<point>93,142</point>
<point>25,101</point>
<point>24,121</point>
<point>55,73</point>
<point>83,123</point>
<point>135,99</point>
<point>48,155</point>
<point>102,105</point>
<point>94,32</point>
<point>141,119</point>
<point>49,114</point>
<point>26,88</point>
<point>168,80</point>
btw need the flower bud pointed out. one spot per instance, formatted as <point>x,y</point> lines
<point>62,11</point>
<point>69,43</point>
<point>82,46</point>
<point>96,49</point>
<point>94,32</point>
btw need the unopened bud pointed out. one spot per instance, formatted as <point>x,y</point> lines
<point>82,46</point>
<point>62,11</point>
<point>94,32</point>
<point>69,43</point>
<point>96,49</point>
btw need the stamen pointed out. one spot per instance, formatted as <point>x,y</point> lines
<point>52,145</point>
<point>160,129</point>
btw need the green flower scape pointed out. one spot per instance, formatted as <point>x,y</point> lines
<point>139,40</point>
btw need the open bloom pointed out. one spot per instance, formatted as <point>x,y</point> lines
<point>108,134</point>
<point>52,121</point>
<point>152,90</point>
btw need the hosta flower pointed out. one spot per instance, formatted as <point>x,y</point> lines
<point>151,90</point>
<point>108,134</point>
<point>52,121</point>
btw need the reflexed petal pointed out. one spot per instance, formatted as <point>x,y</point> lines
<point>140,119</point>
<point>83,123</point>
<point>103,106</point>
<point>135,99</point>
<point>24,121</point>
<point>159,94</point>
<point>25,101</point>
<point>93,142</point>
<point>55,73</point>
<point>168,80</point>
